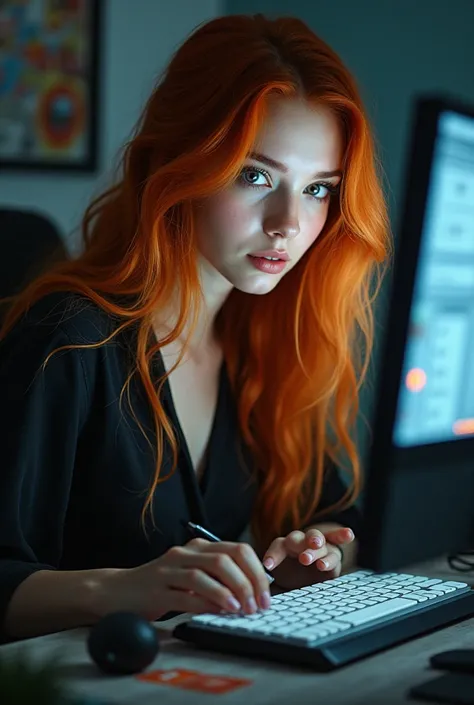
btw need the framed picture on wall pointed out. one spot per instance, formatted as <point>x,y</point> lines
<point>49,60</point>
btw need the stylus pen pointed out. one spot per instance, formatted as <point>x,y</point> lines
<point>201,532</point>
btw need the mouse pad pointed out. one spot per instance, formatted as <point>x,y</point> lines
<point>194,680</point>
<point>453,688</point>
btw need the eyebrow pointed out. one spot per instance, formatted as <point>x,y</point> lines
<point>282,167</point>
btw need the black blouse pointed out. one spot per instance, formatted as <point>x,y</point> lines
<point>76,467</point>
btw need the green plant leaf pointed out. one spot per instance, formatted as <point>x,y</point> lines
<point>25,683</point>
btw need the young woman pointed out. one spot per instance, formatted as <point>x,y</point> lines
<point>201,359</point>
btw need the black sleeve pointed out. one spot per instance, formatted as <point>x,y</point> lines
<point>41,413</point>
<point>333,490</point>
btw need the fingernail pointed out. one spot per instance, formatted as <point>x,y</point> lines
<point>233,604</point>
<point>265,600</point>
<point>269,563</point>
<point>325,564</point>
<point>318,541</point>
<point>351,534</point>
<point>251,605</point>
<point>308,555</point>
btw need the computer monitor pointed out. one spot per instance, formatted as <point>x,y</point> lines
<point>418,500</point>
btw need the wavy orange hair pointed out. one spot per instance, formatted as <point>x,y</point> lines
<point>295,407</point>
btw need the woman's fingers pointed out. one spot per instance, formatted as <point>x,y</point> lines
<point>314,547</point>
<point>235,565</point>
<point>229,574</point>
<point>331,561</point>
<point>315,538</point>
<point>275,553</point>
<point>307,547</point>
<point>253,591</point>
<point>340,536</point>
<point>196,582</point>
<point>250,564</point>
<point>332,558</point>
<point>184,601</point>
<point>309,556</point>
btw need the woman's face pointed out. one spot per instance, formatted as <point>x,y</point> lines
<point>279,204</point>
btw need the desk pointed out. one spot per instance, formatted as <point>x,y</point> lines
<point>383,678</point>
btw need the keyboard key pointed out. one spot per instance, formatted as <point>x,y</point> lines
<point>300,609</point>
<point>378,598</point>
<point>428,583</point>
<point>205,618</point>
<point>444,589</point>
<point>416,598</point>
<point>284,630</point>
<point>376,611</point>
<point>422,593</point>
<point>320,630</point>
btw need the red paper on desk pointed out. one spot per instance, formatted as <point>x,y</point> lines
<point>193,680</point>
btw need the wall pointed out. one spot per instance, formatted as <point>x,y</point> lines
<point>137,42</point>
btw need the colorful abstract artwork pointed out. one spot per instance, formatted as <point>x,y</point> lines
<point>48,84</point>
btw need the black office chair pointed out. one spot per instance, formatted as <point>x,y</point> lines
<point>28,243</point>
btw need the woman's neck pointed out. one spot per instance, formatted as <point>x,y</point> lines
<point>202,341</point>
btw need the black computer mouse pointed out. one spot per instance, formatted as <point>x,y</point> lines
<point>123,643</point>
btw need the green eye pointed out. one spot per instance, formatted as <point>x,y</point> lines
<point>254,171</point>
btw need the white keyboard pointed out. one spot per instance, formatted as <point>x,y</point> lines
<point>320,613</point>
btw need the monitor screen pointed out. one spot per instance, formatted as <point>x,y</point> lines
<point>436,397</point>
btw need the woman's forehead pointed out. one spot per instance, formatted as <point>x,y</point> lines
<point>300,136</point>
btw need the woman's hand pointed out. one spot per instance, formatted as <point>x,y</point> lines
<point>198,577</point>
<point>303,558</point>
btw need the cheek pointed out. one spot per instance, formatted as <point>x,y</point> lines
<point>225,220</point>
<point>233,217</point>
<point>314,227</point>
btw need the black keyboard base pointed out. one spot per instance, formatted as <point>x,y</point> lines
<point>341,651</point>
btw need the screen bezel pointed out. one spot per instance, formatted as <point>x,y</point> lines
<point>386,459</point>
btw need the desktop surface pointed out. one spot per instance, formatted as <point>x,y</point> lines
<point>384,678</point>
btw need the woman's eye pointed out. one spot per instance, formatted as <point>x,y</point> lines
<point>320,191</point>
<point>254,177</point>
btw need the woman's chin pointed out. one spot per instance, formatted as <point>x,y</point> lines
<point>259,286</point>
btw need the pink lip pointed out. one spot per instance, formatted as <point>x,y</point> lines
<point>280,254</point>
<point>269,266</point>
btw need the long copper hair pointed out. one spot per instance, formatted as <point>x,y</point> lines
<point>297,383</point>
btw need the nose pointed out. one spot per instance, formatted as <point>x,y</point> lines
<point>282,220</point>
